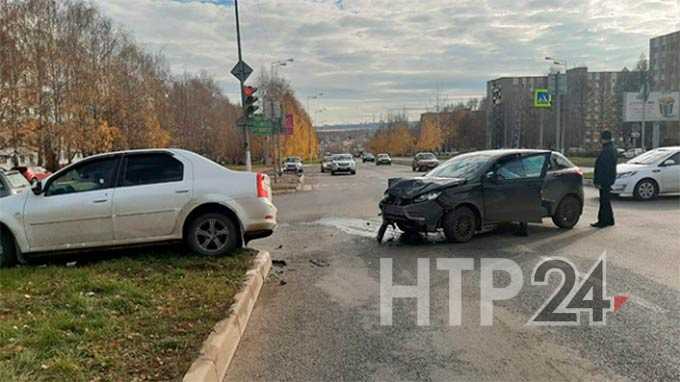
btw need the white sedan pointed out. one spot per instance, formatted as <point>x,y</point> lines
<point>137,197</point>
<point>654,173</point>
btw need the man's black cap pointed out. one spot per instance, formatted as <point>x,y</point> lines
<point>606,135</point>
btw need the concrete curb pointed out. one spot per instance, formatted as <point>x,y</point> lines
<point>219,348</point>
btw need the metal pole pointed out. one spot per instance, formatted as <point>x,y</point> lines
<point>558,107</point>
<point>246,134</point>
<point>541,124</point>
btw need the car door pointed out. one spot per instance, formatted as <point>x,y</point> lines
<point>513,188</point>
<point>75,209</point>
<point>669,174</point>
<point>152,191</point>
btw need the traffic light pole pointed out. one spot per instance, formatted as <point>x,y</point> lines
<point>246,134</point>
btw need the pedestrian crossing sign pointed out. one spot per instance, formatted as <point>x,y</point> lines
<point>542,98</point>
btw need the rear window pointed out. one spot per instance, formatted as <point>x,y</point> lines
<point>16,180</point>
<point>152,169</point>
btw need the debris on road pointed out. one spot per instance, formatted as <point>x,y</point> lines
<point>319,262</point>
<point>279,263</point>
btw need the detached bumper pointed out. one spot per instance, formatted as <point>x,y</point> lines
<point>425,215</point>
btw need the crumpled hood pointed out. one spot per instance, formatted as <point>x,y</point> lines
<point>410,188</point>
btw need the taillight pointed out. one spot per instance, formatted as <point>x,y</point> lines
<point>262,185</point>
<point>579,171</point>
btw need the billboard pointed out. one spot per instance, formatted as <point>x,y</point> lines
<point>660,107</point>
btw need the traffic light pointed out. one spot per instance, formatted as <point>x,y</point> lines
<point>249,104</point>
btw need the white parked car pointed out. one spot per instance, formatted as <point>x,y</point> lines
<point>343,163</point>
<point>134,197</point>
<point>654,173</point>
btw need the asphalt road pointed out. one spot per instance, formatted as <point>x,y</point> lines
<point>318,319</point>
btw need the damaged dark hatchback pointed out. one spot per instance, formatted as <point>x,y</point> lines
<point>475,192</point>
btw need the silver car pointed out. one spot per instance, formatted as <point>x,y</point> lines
<point>343,163</point>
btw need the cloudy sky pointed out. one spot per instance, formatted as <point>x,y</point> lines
<point>370,57</point>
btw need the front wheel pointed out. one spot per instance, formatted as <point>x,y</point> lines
<point>212,235</point>
<point>568,212</point>
<point>8,254</point>
<point>460,225</point>
<point>646,189</point>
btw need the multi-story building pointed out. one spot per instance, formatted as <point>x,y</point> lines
<point>511,118</point>
<point>591,102</point>
<point>664,62</point>
<point>664,72</point>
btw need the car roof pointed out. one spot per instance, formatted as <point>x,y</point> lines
<point>502,152</point>
<point>139,151</point>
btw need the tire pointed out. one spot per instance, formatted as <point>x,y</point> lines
<point>460,225</point>
<point>332,173</point>
<point>568,212</point>
<point>8,253</point>
<point>646,189</point>
<point>212,234</point>
<point>354,172</point>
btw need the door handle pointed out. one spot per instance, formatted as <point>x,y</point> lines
<point>182,192</point>
<point>100,201</point>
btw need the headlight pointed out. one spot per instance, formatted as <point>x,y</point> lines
<point>626,174</point>
<point>426,197</point>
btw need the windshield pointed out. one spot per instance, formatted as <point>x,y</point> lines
<point>427,156</point>
<point>650,157</point>
<point>344,157</point>
<point>463,167</point>
<point>292,160</point>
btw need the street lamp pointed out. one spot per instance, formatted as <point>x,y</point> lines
<point>315,96</point>
<point>280,63</point>
<point>558,104</point>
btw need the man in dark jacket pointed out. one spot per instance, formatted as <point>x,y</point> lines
<point>605,176</point>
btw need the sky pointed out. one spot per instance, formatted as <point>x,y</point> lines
<point>372,57</point>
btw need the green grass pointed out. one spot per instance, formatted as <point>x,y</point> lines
<point>134,315</point>
<point>583,161</point>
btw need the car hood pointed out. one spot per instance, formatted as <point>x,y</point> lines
<point>628,167</point>
<point>410,188</point>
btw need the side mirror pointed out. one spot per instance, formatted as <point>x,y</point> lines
<point>491,177</point>
<point>37,188</point>
<point>668,162</point>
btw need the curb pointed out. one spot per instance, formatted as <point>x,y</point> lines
<point>219,348</point>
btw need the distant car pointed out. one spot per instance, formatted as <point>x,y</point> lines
<point>632,153</point>
<point>137,197</point>
<point>294,165</point>
<point>326,163</point>
<point>343,163</point>
<point>476,191</point>
<point>383,159</point>
<point>654,173</point>
<point>33,173</point>
<point>368,157</point>
<point>12,183</point>
<point>424,161</point>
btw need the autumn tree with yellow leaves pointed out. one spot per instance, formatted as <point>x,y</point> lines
<point>71,83</point>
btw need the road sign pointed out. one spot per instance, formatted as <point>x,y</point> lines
<point>259,125</point>
<point>242,71</point>
<point>542,98</point>
<point>289,125</point>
